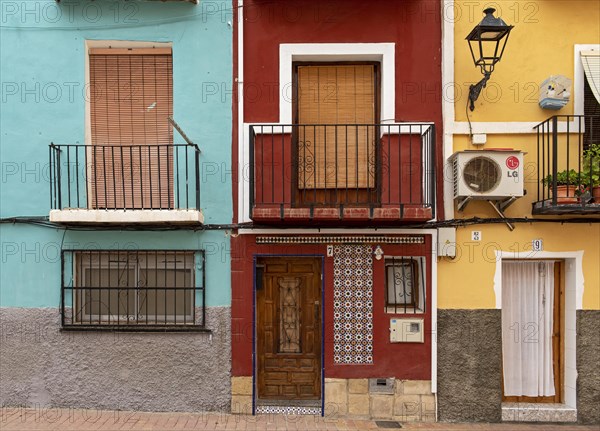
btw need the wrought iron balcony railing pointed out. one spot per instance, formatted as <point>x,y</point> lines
<point>340,170</point>
<point>568,165</point>
<point>124,177</point>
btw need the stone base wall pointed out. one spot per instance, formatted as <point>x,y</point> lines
<point>588,366</point>
<point>408,400</point>
<point>42,366</point>
<point>469,365</point>
<point>241,395</point>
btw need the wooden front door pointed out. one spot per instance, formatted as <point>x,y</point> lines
<point>288,330</point>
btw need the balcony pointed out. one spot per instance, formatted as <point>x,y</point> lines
<point>123,184</point>
<point>568,165</point>
<point>321,173</point>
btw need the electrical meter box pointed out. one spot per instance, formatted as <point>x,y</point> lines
<point>406,331</point>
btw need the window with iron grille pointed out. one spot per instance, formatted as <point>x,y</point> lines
<point>405,284</point>
<point>138,289</point>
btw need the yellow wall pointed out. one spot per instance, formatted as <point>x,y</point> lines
<point>540,45</point>
<point>526,143</point>
<point>468,280</point>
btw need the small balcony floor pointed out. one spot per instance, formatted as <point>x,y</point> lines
<point>80,216</point>
<point>547,208</point>
<point>405,213</point>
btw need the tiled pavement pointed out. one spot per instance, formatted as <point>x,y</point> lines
<point>50,419</point>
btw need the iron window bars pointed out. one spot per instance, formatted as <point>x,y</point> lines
<point>405,285</point>
<point>135,290</point>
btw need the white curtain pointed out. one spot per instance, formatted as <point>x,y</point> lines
<point>527,319</point>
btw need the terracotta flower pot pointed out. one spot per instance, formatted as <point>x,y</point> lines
<point>565,194</point>
<point>596,194</point>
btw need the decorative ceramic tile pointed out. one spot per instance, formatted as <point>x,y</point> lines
<point>322,239</point>
<point>353,304</point>
<point>288,410</point>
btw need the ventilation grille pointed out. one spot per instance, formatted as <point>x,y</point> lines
<point>481,175</point>
<point>455,175</point>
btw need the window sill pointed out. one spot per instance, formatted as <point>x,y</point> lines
<point>136,328</point>
<point>399,311</point>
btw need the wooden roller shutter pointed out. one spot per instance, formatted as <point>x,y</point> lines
<point>336,156</point>
<point>131,158</point>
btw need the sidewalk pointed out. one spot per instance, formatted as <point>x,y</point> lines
<point>46,419</point>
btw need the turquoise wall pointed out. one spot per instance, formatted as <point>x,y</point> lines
<point>42,47</point>
<point>31,266</point>
<point>43,69</point>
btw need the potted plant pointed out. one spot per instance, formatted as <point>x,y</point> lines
<point>591,169</point>
<point>568,186</point>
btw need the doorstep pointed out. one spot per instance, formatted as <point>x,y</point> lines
<point>538,412</point>
<point>288,407</point>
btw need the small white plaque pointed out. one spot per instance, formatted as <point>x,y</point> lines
<point>537,245</point>
<point>476,235</point>
<point>329,251</point>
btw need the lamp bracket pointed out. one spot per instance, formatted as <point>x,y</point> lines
<point>475,90</point>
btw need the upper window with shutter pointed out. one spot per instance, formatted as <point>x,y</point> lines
<point>591,97</point>
<point>131,154</point>
<point>336,111</point>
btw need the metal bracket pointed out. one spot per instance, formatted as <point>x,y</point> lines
<point>462,204</point>
<point>181,132</point>
<point>500,206</point>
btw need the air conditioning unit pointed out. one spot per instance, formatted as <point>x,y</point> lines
<point>487,174</point>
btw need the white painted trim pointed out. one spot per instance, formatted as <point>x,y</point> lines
<point>574,287</point>
<point>89,43</point>
<point>335,231</point>
<point>447,103</point>
<point>243,147</point>
<point>407,128</point>
<point>244,180</point>
<point>93,43</point>
<point>382,52</point>
<point>288,53</point>
<point>462,128</point>
<point>434,295</point>
<point>575,256</point>
<point>579,76</point>
<point>127,216</point>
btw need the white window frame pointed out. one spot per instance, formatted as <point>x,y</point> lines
<point>88,44</point>
<point>574,287</point>
<point>579,77</point>
<point>384,53</point>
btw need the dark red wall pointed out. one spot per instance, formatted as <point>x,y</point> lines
<point>400,360</point>
<point>414,26</point>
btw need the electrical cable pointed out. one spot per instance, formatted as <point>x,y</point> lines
<point>44,222</point>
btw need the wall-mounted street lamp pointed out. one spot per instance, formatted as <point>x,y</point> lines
<point>487,41</point>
